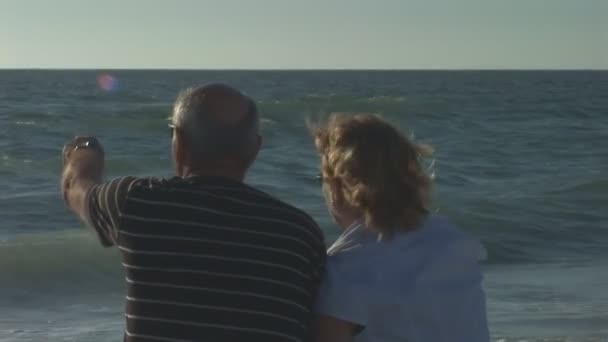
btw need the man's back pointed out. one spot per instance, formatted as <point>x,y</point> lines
<point>209,259</point>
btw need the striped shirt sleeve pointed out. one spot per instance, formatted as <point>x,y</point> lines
<point>104,205</point>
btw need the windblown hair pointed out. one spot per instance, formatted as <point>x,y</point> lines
<point>372,168</point>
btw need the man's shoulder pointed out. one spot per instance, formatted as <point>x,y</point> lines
<point>281,211</point>
<point>252,198</point>
<point>149,183</point>
<point>299,215</point>
<point>124,187</point>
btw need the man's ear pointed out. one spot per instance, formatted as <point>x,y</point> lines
<point>180,150</point>
<point>252,153</point>
<point>258,147</point>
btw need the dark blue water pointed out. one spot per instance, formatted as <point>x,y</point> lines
<point>521,161</point>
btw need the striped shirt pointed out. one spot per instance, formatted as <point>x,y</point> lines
<point>209,259</point>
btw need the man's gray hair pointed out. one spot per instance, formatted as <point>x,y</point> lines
<point>206,135</point>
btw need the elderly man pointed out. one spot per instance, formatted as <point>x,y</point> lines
<point>207,257</point>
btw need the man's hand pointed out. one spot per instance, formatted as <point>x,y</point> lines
<point>83,162</point>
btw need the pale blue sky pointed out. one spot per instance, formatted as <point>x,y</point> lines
<point>279,34</point>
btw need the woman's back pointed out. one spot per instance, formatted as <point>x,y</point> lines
<point>424,285</point>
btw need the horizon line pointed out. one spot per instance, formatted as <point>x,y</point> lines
<point>294,69</point>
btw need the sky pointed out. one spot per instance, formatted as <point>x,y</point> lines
<point>304,34</point>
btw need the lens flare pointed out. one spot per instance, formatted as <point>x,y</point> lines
<point>107,82</point>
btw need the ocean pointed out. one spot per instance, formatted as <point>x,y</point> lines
<point>521,162</point>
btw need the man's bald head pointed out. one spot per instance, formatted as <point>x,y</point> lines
<point>217,122</point>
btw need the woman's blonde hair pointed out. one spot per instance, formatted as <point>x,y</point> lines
<point>370,167</point>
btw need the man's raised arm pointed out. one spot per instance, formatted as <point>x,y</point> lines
<point>97,204</point>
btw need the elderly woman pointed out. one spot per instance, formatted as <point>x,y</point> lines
<point>397,272</point>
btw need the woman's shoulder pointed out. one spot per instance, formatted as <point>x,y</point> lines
<point>438,238</point>
<point>437,235</point>
<point>444,235</point>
